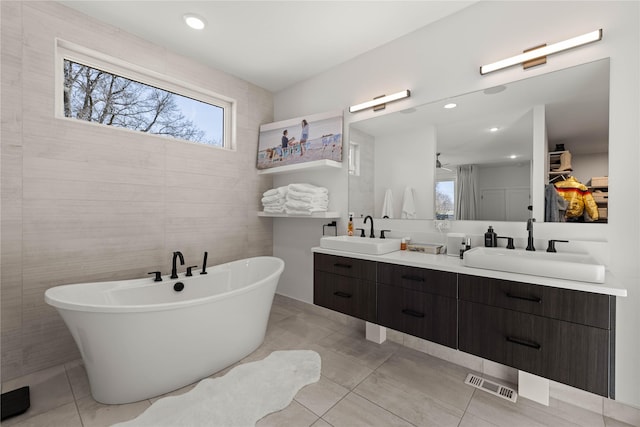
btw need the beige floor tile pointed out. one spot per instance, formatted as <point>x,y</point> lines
<point>343,370</point>
<point>62,416</point>
<point>321,423</point>
<point>294,415</point>
<point>367,352</point>
<point>610,422</point>
<point>621,412</point>
<point>78,379</point>
<point>436,378</point>
<point>94,414</point>
<point>355,411</point>
<point>523,413</point>
<point>470,420</point>
<point>408,401</point>
<point>321,396</point>
<point>48,389</point>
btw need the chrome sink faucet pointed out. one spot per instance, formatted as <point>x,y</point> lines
<point>365,221</point>
<point>530,246</point>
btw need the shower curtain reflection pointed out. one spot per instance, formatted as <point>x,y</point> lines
<point>466,199</point>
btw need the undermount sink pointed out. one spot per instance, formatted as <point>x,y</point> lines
<point>363,245</point>
<point>569,266</point>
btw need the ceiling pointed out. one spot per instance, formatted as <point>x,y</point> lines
<point>273,44</point>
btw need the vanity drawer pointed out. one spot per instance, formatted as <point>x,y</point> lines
<point>572,354</point>
<point>418,279</point>
<point>347,295</point>
<point>564,304</point>
<point>420,314</point>
<point>344,266</point>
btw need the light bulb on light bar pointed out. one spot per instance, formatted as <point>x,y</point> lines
<point>379,101</point>
<point>543,51</point>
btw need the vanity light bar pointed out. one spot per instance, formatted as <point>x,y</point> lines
<point>593,36</point>
<point>379,101</point>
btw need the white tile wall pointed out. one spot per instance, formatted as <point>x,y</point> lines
<point>81,202</point>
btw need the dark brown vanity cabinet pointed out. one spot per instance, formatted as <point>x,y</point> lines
<point>419,302</point>
<point>560,334</point>
<point>346,285</point>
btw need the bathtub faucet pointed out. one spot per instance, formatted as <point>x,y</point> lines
<point>174,268</point>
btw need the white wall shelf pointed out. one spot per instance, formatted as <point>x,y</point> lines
<point>330,215</point>
<point>316,164</point>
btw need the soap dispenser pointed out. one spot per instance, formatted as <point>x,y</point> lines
<point>350,226</point>
<point>490,238</point>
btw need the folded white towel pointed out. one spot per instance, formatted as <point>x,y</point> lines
<point>408,205</point>
<point>274,209</point>
<point>307,188</point>
<point>307,197</point>
<point>282,191</point>
<point>274,204</point>
<point>274,198</point>
<point>387,204</point>
<point>294,211</point>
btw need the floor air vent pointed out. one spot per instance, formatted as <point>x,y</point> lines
<point>491,387</point>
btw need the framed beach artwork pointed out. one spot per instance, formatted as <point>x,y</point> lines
<point>300,140</point>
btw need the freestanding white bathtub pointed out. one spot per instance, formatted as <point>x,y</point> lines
<point>140,338</point>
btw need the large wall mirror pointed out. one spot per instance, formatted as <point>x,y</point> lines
<point>488,155</point>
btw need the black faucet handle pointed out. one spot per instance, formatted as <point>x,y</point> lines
<point>158,277</point>
<point>382,236</point>
<point>361,232</point>
<point>552,244</point>
<point>204,263</point>
<point>189,273</point>
<point>509,241</point>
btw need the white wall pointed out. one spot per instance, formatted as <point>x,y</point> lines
<point>83,202</point>
<point>405,160</point>
<point>442,60</point>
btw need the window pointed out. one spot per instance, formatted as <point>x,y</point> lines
<point>94,88</point>
<point>445,199</point>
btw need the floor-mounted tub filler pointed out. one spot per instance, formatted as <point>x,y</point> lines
<point>140,338</point>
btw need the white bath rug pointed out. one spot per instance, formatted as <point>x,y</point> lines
<point>240,398</point>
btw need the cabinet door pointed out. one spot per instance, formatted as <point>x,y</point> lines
<point>566,352</point>
<point>418,279</point>
<point>564,304</point>
<point>420,314</point>
<point>345,266</point>
<point>347,295</point>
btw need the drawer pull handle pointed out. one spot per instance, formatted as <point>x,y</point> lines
<point>414,278</point>
<point>412,313</point>
<point>525,343</point>
<point>342,265</point>
<point>342,294</point>
<point>531,299</point>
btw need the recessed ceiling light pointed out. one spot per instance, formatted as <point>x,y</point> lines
<point>494,129</point>
<point>194,21</point>
<point>450,106</point>
<point>513,156</point>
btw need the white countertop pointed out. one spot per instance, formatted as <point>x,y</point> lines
<point>453,264</point>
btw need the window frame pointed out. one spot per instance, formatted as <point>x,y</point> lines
<point>65,50</point>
